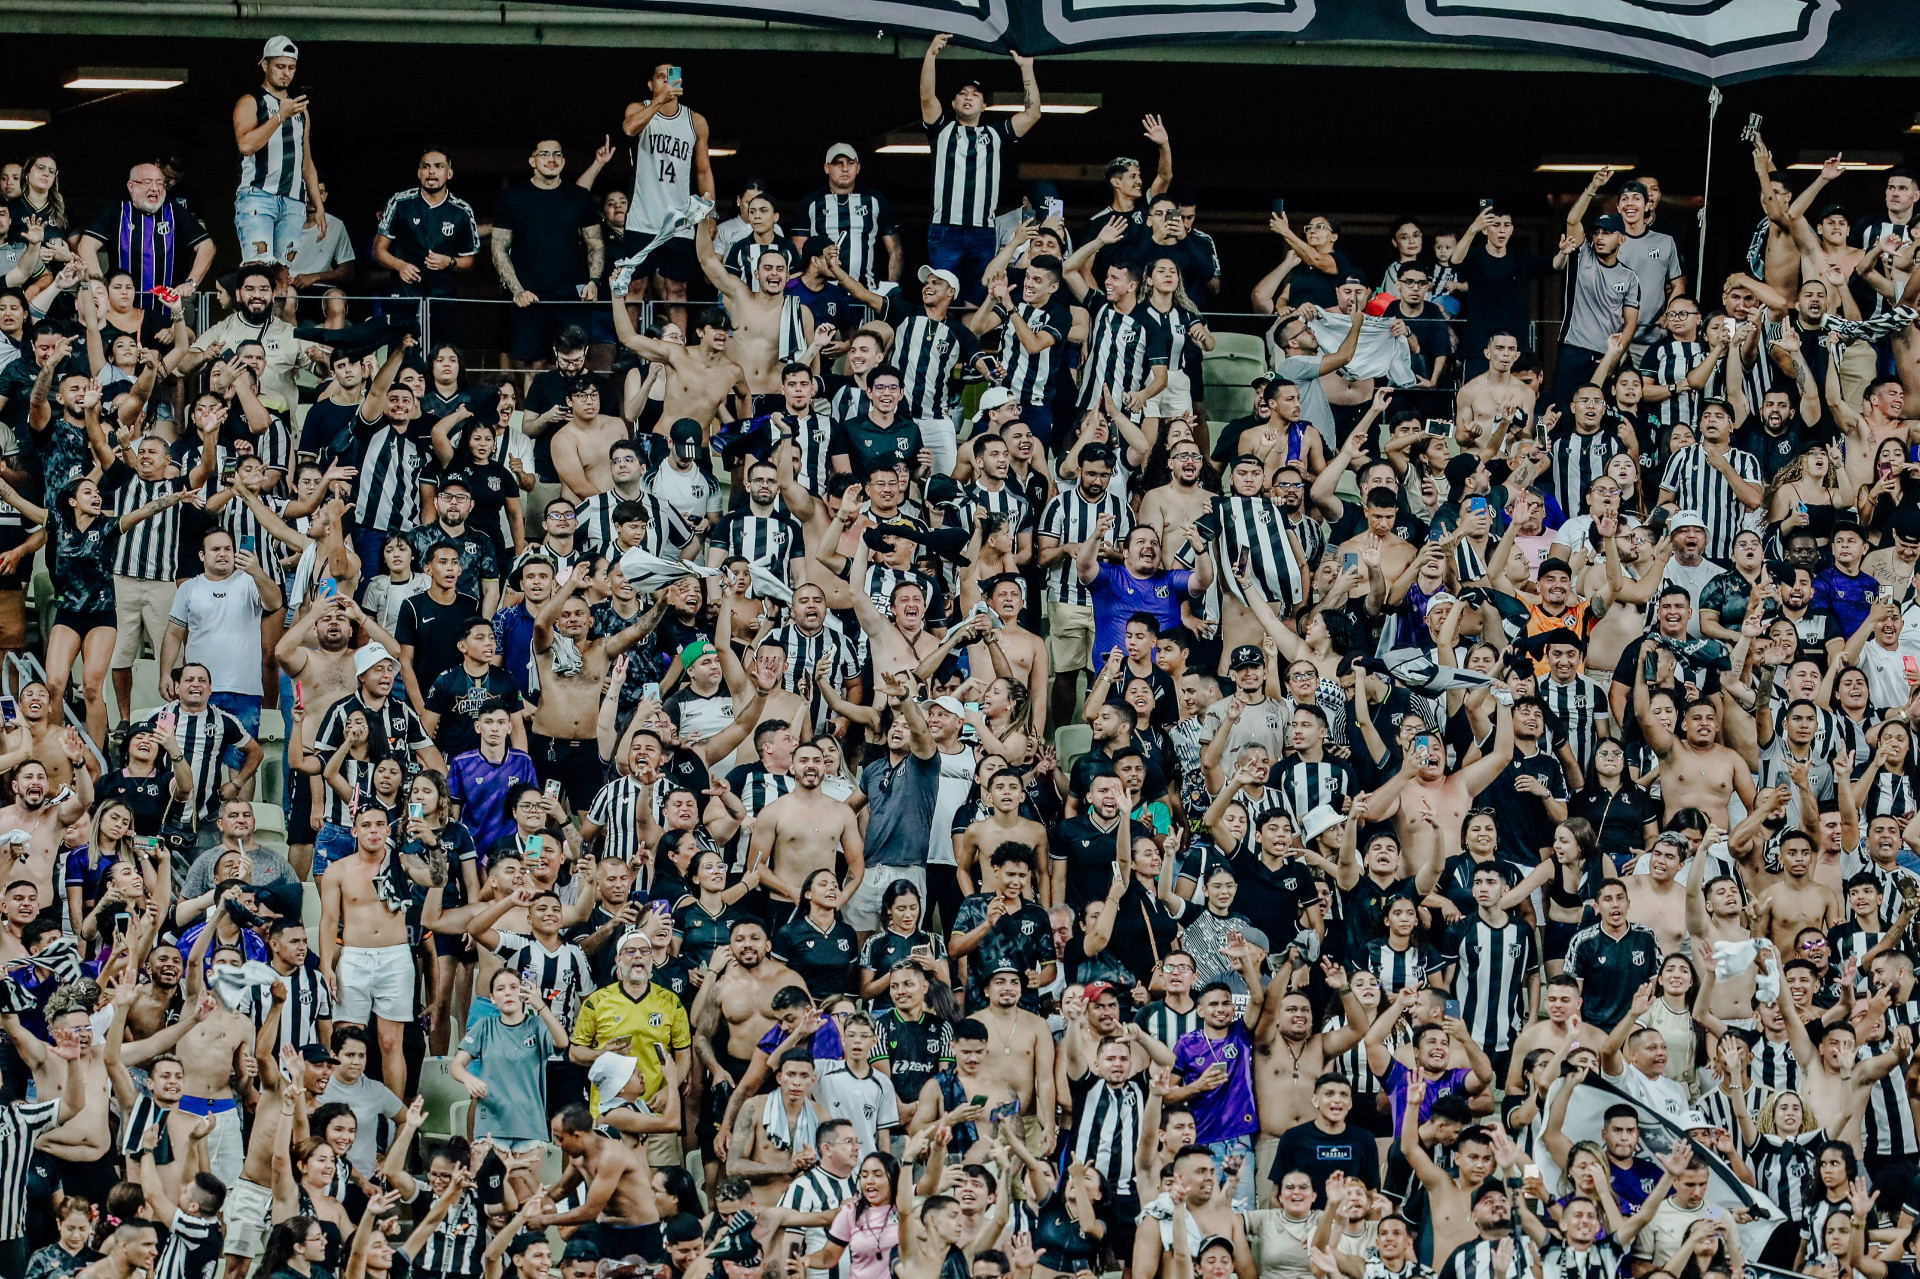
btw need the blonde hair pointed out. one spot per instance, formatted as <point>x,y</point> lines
<point>1771,1104</point>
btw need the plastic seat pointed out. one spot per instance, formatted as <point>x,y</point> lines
<point>1249,345</point>
<point>1225,403</point>
<point>269,817</point>
<point>444,1097</point>
<point>310,908</point>
<point>1072,741</point>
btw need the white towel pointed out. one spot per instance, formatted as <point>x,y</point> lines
<point>693,215</point>
<point>647,573</point>
<point>235,983</point>
<point>804,1132</point>
<point>1379,353</point>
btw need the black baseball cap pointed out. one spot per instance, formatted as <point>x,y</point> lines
<point>318,1055</point>
<point>1245,656</point>
<point>686,431</point>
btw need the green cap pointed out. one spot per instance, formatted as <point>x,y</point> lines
<point>693,652</point>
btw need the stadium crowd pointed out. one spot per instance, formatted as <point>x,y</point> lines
<point>839,776</point>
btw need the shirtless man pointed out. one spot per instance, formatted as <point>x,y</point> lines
<point>1832,1081</point>
<point>1716,915</point>
<point>44,815</point>
<point>324,674</point>
<point>563,735</point>
<point>1020,1059</point>
<point>363,944</point>
<point>619,1206</point>
<point>740,989</point>
<point>1795,901</point>
<point>44,724</point>
<point>156,1005</point>
<point>973,846</point>
<point>1658,900</point>
<point>1432,793</point>
<point>1394,552</point>
<point>1494,399</point>
<point>800,832</point>
<point>1011,651</point>
<point>1696,771</point>
<point>765,1159</point>
<point>1289,1054</point>
<point>1196,1187</point>
<point>1180,501</point>
<point>86,1137</point>
<point>1619,589</point>
<point>207,1055</point>
<point>762,681</point>
<point>1560,996</point>
<point>761,316</point>
<point>700,375</point>
<point>580,446</point>
<point>971,1076</point>
<point>1448,1194</point>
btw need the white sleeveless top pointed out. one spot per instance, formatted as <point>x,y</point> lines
<point>662,172</point>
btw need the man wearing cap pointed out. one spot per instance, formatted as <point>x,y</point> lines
<point>969,154</point>
<point>860,220</point>
<point>1713,481</point>
<point>683,482</point>
<point>928,347</point>
<point>1653,256</point>
<point>1605,297</point>
<point>279,183</point>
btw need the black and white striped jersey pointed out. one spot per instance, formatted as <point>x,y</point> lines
<point>21,1125</point>
<point>204,736</point>
<point>1474,1260</point>
<point>388,496</point>
<point>768,540</point>
<point>1256,526</point>
<point>1122,347</point>
<point>1305,786</point>
<point>1398,969</point>
<point>967,160</point>
<point>308,1004</point>
<point>1494,964</point>
<point>1887,1127</point>
<point>1005,500</point>
<point>1580,708</point>
<point>848,402</point>
<point>1106,1131</point>
<point>241,523</point>
<point>756,788</point>
<point>279,166</point>
<point>1070,519</point>
<point>150,550</point>
<point>593,520</point>
<point>1166,1024</point>
<point>617,810</point>
<point>453,1250</point>
<point>1698,487</point>
<point>818,1191</point>
<point>1575,460</point>
<point>805,653</point>
<point>812,436</point>
<point>1600,1260</point>
<point>1668,362</point>
<point>927,351</point>
<point>133,1129</point>
<point>192,1249</point>
<point>1030,374</point>
<point>1783,1167</point>
<point>795,336</point>
<point>858,221</point>
<point>1774,1065</point>
<point>563,975</point>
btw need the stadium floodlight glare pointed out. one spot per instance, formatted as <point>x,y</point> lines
<point>904,144</point>
<point>1586,163</point>
<point>1854,162</point>
<point>20,120</point>
<point>1050,103</point>
<point>127,78</point>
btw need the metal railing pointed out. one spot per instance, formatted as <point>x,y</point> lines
<point>17,663</point>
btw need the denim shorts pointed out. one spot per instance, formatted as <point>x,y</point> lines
<point>263,218</point>
<point>244,707</point>
<point>333,843</point>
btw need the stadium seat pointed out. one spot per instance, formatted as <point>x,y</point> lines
<point>1072,741</point>
<point>310,907</point>
<point>1225,403</point>
<point>446,1100</point>
<point>1250,346</point>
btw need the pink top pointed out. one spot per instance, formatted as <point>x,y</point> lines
<point>871,1239</point>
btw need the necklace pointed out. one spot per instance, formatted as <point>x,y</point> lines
<point>1296,1055</point>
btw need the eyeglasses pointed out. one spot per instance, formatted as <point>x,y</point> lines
<point>565,517</point>
<point>1288,484</point>
<point>549,155</point>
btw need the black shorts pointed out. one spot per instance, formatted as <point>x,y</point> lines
<point>12,535</point>
<point>774,402</point>
<point>532,329</point>
<point>1559,936</point>
<point>616,1242</point>
<point>575,764</point>
<point>85,621</point>
<point>459,949</point>
<point>300,829</point>
<point>673,260</point>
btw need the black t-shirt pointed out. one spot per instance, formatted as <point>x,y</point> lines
<point>491,484</point>
<point>547,252</point>
<point>1364,907</point>
<point>1088,853</point>
<point>1304,1148</point>
<point>1429,329</point>
<point>1273,897</point>
<point>1610,970</point>
<point>433,629</point>
<point>1772,451</point>
<point>1023,937</point>
<point>327,432</point>
<point>1319,287</point>
<point>459,700</point>
<point>915,1051</point>
<point>825,961</point>
<point>867,445</point>
<point>146,797</point>
<point>1497,294</point>
<point>1633,656</point>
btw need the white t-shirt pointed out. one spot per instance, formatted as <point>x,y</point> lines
<point>868,1104</point>
<point>1694,579</point>
<point>317,253</point>
<point>223,629</point>
<point>956,779</point>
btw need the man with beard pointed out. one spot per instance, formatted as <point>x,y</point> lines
<point>761,533</point>
<point>1713,478</point>
<point>143,234</point>
<point>561,735</point>
<point>252,320</point>
<point>1180,501</point>
<point>44,815</point>
<point>1137,584</point>
<point>206,1054</point>
<point>317,651</point>
<point>804,830</point>
<point>1209,1211</point>
<point>636,1016</point>
<point>1011,651</point>
<point>1618,590</point>
<point>739,989</point>
<point>771,325</point>
<point>427,233</point>
<point>700,375</point>
<point>157,1004</point>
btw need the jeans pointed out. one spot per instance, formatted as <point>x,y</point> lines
<point>965,251</point>
<point>268,225</point>
<point>1571,371</point>
<point>333,843</point>
<point>367,544</point>
<point>1243,1190</point>
<point>244,707</point>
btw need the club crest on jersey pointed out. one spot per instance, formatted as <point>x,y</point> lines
<point>656,1020</point>
<point>1160,592</point>
<point>1639,956</point>
<point>1708,39</point>
<point>842,942</point>
<point>446,228</point>
<point>1026,928</point>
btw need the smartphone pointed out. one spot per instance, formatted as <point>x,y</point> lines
<point>660,906</point>
<point>1435,533</point>
<point>535,846</point>
<point>1530,1171</point>
<point>560,578</point>
<point>228,467</point>
<point>329,587</point>
<point>1279,204</point>
<point>1753,127</point>
<point>1350,561</point>
<point>1453,1008</point>
<point>299,697</point>
<point>248,544</point>
<point>1651,667</point>
<point>416,811</point>
<point>9,709</point>
<point>1423,742</point>
<point>120,921</point>
<point>650,691</point>
<point>1476,505</point>
<point>1439,428</point>
<point>1713,1210</point>
<point>1056,207</point>
<point>164,723</point>
<point>673,79</point>
<point>999,1114</point>
<point>527,974</point>
<point>553,788</point>
<point>165,295</point>
<point>979,1101</point>
<point>1912,667</point>
<point>1800,509</point>
<point>1486,202</point>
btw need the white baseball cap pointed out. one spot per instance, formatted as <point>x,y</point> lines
<point>951,705</point>
<point>365,659</point>
<point>947,278</point>
<point>994,397</point>
<point>1685,519</point>
<point>841,151</point>
<point>609,1074</point>
<point>279,47</point>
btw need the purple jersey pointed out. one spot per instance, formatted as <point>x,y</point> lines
<point>1118,595</point>
<point>1454,1081</point>
<point>1227,1111</point>
<point>480,788</point>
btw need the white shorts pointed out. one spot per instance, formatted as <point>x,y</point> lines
<point>1176,399</point>
<point>379,979</point>
<point>938,435</point>
<point>862,910</point>
<point>247,1213</point>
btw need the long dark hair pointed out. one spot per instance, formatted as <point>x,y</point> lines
<point>286,1239</point>
<point>678,1182</point>
<point>891,1167</point>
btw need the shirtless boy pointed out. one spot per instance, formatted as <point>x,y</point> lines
<point>1020,1058</point>
<point>766,1149</point>
<point>363,945</point>
<point>619,1201</point>
<point>1493,399</point>
<point>1795,901</point>
<point>699,376</point>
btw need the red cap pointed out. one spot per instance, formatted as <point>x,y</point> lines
<point>1094,989</point>
<point>1379,302</point>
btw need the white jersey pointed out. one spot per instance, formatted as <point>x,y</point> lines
<point>662,172</point>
